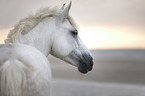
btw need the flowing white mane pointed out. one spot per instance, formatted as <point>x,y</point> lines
<point>28,23</point>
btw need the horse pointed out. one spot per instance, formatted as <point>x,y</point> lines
<point>50,31</point>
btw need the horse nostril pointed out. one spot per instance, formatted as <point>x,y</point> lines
<point>91,65</point>
<point>91,58</point>
<point>92,62</point>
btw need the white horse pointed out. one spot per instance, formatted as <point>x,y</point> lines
<point>51,31</point>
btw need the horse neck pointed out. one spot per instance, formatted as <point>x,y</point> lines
<point>40,37</point>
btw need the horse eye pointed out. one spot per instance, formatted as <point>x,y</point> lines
<point>75,32</point>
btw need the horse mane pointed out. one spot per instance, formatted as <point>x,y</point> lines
<point>28,23</point>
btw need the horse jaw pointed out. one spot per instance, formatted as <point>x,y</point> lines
<point>76,54</point>
<point>80,58</point>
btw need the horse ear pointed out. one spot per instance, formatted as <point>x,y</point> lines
<point>62,8</point>
<point>65,13</point>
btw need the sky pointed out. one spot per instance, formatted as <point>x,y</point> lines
<point>103,24</point>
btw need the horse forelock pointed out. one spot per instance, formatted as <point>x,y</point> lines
<point>28,23</point>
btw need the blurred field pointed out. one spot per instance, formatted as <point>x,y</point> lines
<point>110,66</point>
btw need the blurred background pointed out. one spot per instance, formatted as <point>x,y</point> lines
<point>113,30</point>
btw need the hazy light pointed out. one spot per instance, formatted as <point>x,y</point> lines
<point>3,35</point>
<point>107,38</point>
<point>104,38</point>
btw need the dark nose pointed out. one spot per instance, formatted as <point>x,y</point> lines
<point>86,63</point>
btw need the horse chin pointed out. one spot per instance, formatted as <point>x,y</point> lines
<point>83,70</point>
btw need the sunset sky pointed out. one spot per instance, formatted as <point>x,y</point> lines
<point>103,24</point>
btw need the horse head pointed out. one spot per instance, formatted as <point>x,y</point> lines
<point>53,32</point>
<point>67,44</point>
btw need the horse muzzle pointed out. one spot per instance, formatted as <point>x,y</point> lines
<point>81,59</point>
<point>85,63</point>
